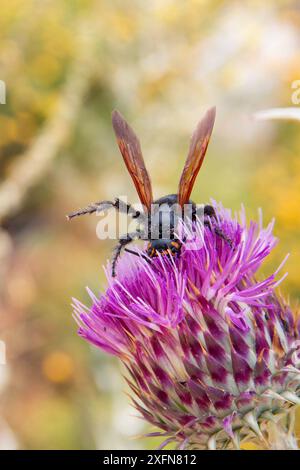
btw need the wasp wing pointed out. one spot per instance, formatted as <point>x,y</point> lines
<point>130,148</point>
<point>197,151</point>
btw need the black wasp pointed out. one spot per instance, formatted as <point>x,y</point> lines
<point>164,215</point>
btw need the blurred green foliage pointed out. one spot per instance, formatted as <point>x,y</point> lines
<point>162,63</point>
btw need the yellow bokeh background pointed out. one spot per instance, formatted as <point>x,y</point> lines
<point>66,65</point>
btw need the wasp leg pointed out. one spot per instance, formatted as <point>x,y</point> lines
<point>118,204</point>
<point>222,235</point>
<point>130,237</point>
<point>140,255</point>
<point>210,213</point>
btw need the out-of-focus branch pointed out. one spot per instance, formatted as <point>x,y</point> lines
<point>5,251</point>
<point>292,114</point>
<point>34,163</point>
<point>12,50</point>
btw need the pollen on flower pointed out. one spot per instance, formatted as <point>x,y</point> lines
<point>212,352</point>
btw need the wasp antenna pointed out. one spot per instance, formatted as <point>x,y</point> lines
<point>71,216</point>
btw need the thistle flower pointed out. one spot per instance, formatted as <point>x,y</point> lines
<point>212,353</point>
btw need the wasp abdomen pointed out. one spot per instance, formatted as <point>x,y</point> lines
<point>164,247</point>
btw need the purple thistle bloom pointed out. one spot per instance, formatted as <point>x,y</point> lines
<point>212,353</point>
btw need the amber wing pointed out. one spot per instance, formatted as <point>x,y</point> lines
<point>197,151</point>
<point>130,148</point>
